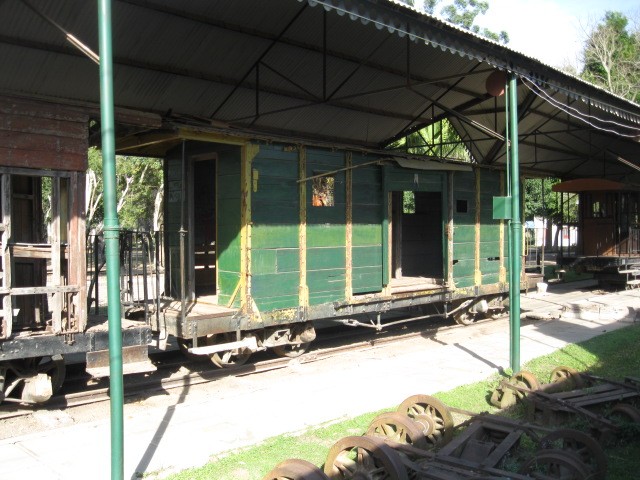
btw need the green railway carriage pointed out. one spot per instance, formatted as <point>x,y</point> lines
<point>277,236</point>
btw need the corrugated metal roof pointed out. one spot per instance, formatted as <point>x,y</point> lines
<point>354,72</point>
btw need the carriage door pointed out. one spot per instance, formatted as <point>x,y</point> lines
<point>204,224</point>
<point>417,235</point>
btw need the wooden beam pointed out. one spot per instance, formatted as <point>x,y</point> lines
<point>303,289</point>
<point>7,318</point>
<point>348,290</point>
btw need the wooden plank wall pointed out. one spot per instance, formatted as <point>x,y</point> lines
<point>228,223</point>
<point>464,229</point>
<point>490,261</point>
<point>36,134</point>
<point>326,231</point>
<point>367,226</point>
<point>476,235</point>
<point>275,255</point>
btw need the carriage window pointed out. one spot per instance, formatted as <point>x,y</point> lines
<point>597,210</point>
<point>408,202</point>
<point>324,191</point>
<point>462,206</point>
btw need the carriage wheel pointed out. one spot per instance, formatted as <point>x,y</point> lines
<point>464,317</point>
<point>524,379</point>
<point>399,428</point>
<point>555,464</point>
<point>3,376</point>
<point>627,411</point>
<point>55,368</point>
<point>227,358</point>
<point>433,416</point>
<point>584,446</point>
<point>291,350</point>
<point>364,458</point>
<point>503,397</point>
<point>295,469</point>
<point>567,376</point>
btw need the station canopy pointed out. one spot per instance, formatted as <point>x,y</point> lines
<point>338,73</point>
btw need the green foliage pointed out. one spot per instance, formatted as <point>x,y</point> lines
<point>138,180</point>
<point>438,140</point>
<point>551,208</point>
<point>464,13</point>
<point>612,56</point>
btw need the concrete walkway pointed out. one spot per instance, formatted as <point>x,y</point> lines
<point>184,428</point>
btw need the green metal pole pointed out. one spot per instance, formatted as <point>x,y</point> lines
<point>111,237</point>
<point>516,228</point>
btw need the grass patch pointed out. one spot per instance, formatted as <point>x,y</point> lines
<point>613,355</point>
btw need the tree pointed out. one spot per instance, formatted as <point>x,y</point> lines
<point>139,189</point>
<point>464,13</point>
<point>612,56</point>
<point>541,201</point>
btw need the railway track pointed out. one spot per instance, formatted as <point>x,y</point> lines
<point>176,371</point>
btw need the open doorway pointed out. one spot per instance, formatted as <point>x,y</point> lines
<point>417,244</point>
<point>204,224</point>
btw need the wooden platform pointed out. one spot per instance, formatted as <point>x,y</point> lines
<point>414,284</point>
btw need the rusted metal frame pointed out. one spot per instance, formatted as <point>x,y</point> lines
<point>257,114</point>
<point>605,151</point>
<point>273,43</point>
<point>471,141</point>
<point>289,80</point>
<point>312,103</point>
<point>523,111</point>
<point>324,54</point>
<point>411,127</point>
<point>475,124</point>
<point>55,255</point>
<point>7,260</point>
<point>437,82</point>
<point>285,41</point>
<point>72,39</point>
<point>303,288</point>
<point>219,79</point>
<point>348,293</point>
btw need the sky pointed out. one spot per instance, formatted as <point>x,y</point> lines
<point>551,30</point>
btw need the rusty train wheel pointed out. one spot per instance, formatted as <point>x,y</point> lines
<point>55,368</point>
<point>584,446</point>
<point>524,379</point>
<point>291,350</point>
<point>399,428</point>
<point>464,317</point>
<point>627,411</point>
<point>433,416</point>
<point>567,376</point>
<point>295,469</point>
<point>556,464</point>
<point>227,358</point>
<point>364,458</point>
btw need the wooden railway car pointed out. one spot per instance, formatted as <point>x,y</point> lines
<point>609,229</point>
<point>43,150</point>
<point>262,239</point>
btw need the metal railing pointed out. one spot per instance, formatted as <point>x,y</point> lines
<point>142,272</point>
